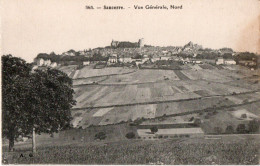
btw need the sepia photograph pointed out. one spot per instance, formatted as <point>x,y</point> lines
<point>130,82</point>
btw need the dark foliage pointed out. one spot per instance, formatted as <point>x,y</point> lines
<point>229,129</point>
<point>253,126</point>
<point>241,128</point>
<point>130,135</point>
<point>41,99</point>
<point>217,130</point>
<point>100,136</point>
<point>154,129</point>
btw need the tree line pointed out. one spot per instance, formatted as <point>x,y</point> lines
<point>76,58</point>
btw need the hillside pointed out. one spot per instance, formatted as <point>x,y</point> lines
<point>114,95</point>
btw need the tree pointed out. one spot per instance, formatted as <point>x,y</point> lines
<point>218,130</point>
<point>197,122</point>
<point>253,126</point>
<point>241,128</point>
<point>154,129</point>
<point>229,129</point>
<point>100,136</point>
<point>130,135</point>
<point>34,102</point>
<point>244,116</point>
<point>15,75</point>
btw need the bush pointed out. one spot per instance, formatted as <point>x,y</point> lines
<point>100,136</point>
<point>241,128</point>
<point>218,130</point>
<point>229,129</point>
<point>154,129</point>
<point>191,119</point>
<point>197,122</point>
<point>130,135</point>
<point>243,116</point>
<point>215,112</point>
<point>253,126</point>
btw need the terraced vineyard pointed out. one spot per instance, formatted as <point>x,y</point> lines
<point>112,95</point>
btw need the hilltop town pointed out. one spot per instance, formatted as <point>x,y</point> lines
<point>137,53</point>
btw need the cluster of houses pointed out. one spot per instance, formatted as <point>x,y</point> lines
<point>149,53</point>
<point>114,58</point>
<point>222,61</point>
<point>45,62</point>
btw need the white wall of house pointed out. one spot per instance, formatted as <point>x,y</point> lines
<point>86,62</point>
<point>54,64</point>
<point>220,61</point>
<point>112,60</point>
<point>230,62</point>
<point>40,62</point>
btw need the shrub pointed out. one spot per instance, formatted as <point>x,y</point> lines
<point>244,116</point>
<point>197,121</point>
<point>191,119</point>
<point>154,129</point>
<point>130,135</point>
<point>253,126</point>
<point>217,130</point>
<point>241,128</point>
<point>215,112</point>
<point>100,136</point>
<point>229,129</point>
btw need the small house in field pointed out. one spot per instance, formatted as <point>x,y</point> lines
<point>198,62</point>
<point>146,134</point>
<point>220,61</point>
<point>178,129</point>
<point>86,63</point>
<point>229,62</point>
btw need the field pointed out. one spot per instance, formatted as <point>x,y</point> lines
<point>122,94</point>
<point>177,151</point>
<point>109,99</point>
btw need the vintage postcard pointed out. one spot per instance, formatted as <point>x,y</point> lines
<point>130,82</point>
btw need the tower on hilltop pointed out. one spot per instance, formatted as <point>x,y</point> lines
<point>141,43</point>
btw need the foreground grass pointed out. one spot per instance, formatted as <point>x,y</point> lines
<point>142,152</point>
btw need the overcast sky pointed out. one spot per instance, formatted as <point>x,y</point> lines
<point>30,27</point>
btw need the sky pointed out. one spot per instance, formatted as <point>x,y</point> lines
<point>29,27</point>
